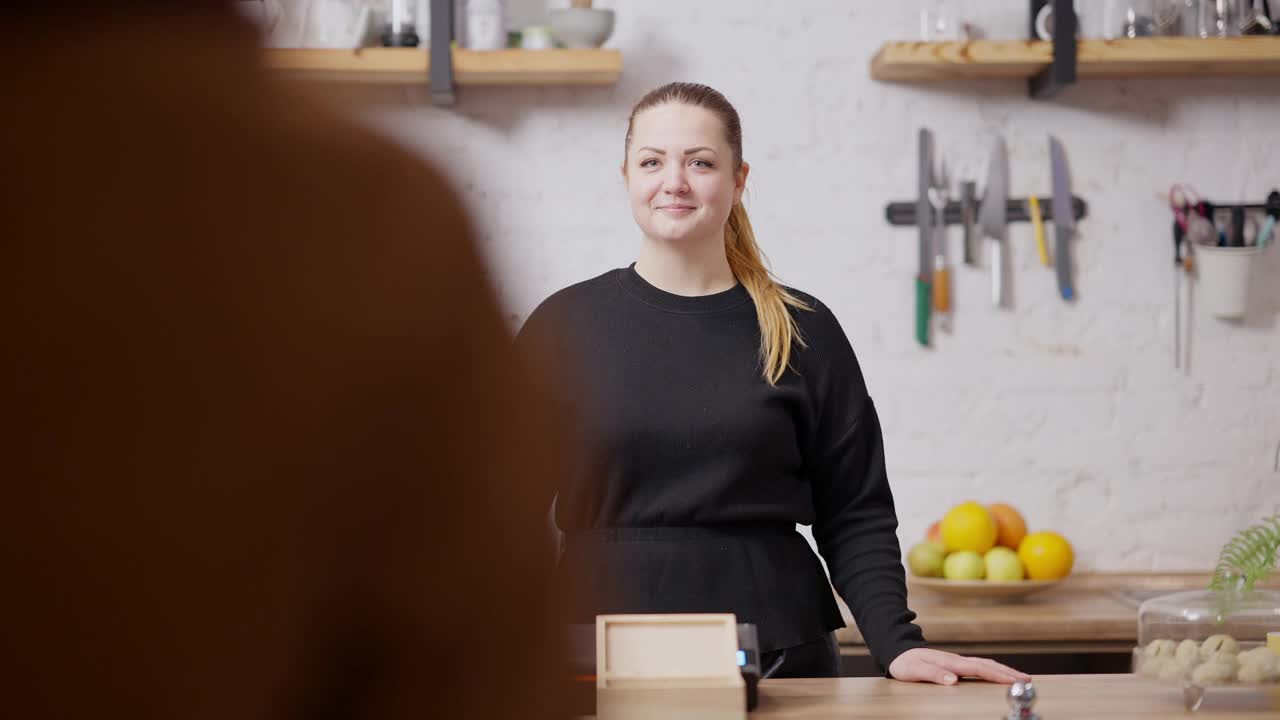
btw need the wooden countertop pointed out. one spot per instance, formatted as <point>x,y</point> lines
<point>1097,609</point>
<point>1061,697</point>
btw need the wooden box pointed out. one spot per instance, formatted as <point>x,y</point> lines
<point>668,666</point>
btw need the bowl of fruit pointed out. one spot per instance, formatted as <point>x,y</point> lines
<point>983,553</point>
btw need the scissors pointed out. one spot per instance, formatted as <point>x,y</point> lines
<point>1193,216</point>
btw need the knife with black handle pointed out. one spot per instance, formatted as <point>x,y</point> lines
<point>968,207</point>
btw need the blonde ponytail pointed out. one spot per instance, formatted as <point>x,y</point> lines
<point>778,329</point>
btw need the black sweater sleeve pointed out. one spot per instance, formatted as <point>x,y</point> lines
<point>855,524</point>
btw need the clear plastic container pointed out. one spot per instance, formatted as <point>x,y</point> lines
<point>1209,638</point>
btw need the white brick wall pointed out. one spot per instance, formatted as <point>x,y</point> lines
<point>1073,414</point>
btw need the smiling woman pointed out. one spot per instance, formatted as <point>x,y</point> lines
<point>686,188</point>
<point>716,409</point>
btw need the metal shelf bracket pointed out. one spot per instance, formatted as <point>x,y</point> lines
<point>441,71</point>
<point>1062,70</point>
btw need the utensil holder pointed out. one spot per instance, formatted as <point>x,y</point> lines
<point>1223,276</point>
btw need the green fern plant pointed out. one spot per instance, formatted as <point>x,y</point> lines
<point>1250,556</point>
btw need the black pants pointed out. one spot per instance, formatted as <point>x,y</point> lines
<point>816,658</point>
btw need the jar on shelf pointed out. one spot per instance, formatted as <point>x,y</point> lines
<point>486,27</point>
<point>401,27</point>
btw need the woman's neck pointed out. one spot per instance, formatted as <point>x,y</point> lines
<point>690,269</point>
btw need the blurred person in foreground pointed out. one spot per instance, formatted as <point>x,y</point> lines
<point>265,435</point>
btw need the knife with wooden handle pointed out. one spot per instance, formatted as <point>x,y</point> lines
<point>991,216</point>
<point>938,194</point>
<point>1064,219</point>
<point>941,286</point>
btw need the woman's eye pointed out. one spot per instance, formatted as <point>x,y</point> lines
<point>702,163</point>
<point>648,163</point>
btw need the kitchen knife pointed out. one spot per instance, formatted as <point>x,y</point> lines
<point>968,206</point>
<point>991,216</point>
<point>924,221</point>
<point>938,197</point>
<point>1064,219</point>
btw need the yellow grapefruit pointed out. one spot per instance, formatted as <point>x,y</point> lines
<point>968,526</point>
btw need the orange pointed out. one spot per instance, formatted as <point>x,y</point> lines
<point>1046,555</point>
<point>968,526</point>
<point>1010,527</point>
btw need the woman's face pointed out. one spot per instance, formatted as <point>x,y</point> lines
<point>679,174</point>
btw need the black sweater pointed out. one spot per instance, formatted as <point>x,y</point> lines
<point>677,428</point>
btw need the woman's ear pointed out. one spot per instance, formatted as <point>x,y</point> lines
<point>740,182</point>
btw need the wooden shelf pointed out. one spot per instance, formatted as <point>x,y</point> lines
<point>921,61</point>
<point>379,65</point>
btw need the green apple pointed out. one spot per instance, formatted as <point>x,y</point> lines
<point>1002,564</point>
<point>925,559</point>
<point>963,565</point>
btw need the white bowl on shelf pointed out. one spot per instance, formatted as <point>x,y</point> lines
<point>581,27</point>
